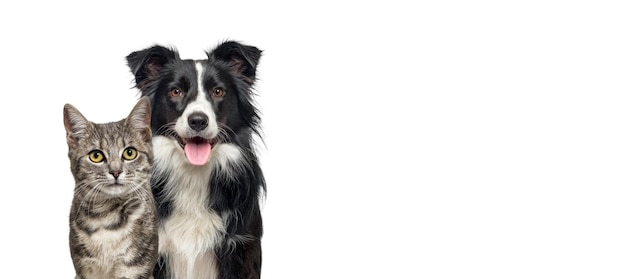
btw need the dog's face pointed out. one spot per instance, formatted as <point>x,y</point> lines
<point>198,103</point>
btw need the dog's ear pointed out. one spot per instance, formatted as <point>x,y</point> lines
<point>76,124</point>
<point>139,118</point>
<point>146,64</point>
<point>242,58</point>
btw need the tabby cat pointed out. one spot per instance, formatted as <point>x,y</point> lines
<point>113,225</point>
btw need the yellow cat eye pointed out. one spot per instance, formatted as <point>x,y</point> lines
<point>129,153</point>
<point>96,156</point>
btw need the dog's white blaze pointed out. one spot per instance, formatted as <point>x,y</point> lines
<point>200,104</point>
<point>193,230</point>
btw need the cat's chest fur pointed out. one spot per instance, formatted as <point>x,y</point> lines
<point>107,235</point>
<point>110,221</point>
<point>108,230</point>
<point>107,213</point>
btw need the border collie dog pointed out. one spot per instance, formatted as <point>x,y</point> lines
<point>206,179</point>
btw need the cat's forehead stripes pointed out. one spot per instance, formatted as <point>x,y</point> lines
<point>114,137</point>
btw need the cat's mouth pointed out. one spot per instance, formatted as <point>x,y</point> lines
<point>197,149</point>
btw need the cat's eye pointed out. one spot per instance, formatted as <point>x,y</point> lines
<point>96,156</point>
<point>176,92</point>
<point>129,153</point>
<point>218,92</point>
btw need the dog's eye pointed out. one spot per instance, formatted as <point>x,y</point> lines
<point>176,92</point>
<point>218,92</point>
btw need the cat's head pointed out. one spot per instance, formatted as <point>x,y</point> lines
<point>110,158</point>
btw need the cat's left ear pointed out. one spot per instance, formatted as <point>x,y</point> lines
<point>139,118</point>
<point>76,124</point>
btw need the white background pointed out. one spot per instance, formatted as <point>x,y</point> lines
<point>437,139</point>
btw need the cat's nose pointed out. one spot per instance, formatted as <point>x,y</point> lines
<point>115,174</point>
<point>198,121</point>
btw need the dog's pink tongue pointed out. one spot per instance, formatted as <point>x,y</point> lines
<point>197,153</point>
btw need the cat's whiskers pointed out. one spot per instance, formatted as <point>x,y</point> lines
<point>89,199</point>
<point>98,190</point>
<point>143,194</point>
<point>80,188</point>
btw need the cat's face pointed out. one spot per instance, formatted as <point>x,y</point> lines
<point>110,159</point>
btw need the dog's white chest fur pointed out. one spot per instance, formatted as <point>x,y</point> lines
<point>189,235</point>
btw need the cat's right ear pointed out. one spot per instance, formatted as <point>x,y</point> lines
<point>139,118</point>
<point>146,64</point>
<point>75,124</point>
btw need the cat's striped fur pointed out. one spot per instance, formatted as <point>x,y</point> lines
<point>113,226</point>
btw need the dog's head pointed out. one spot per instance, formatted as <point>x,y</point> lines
<point>199,103</point>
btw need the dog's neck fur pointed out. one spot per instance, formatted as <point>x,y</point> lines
<point>188,188</point>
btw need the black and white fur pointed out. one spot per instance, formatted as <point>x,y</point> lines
<point>209,215</point>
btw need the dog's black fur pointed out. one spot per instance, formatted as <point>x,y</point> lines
<point>233,194</point>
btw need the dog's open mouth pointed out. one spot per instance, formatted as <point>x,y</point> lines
<point>197,149</point>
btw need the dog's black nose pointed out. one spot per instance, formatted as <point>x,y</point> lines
<point>198,121</point>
